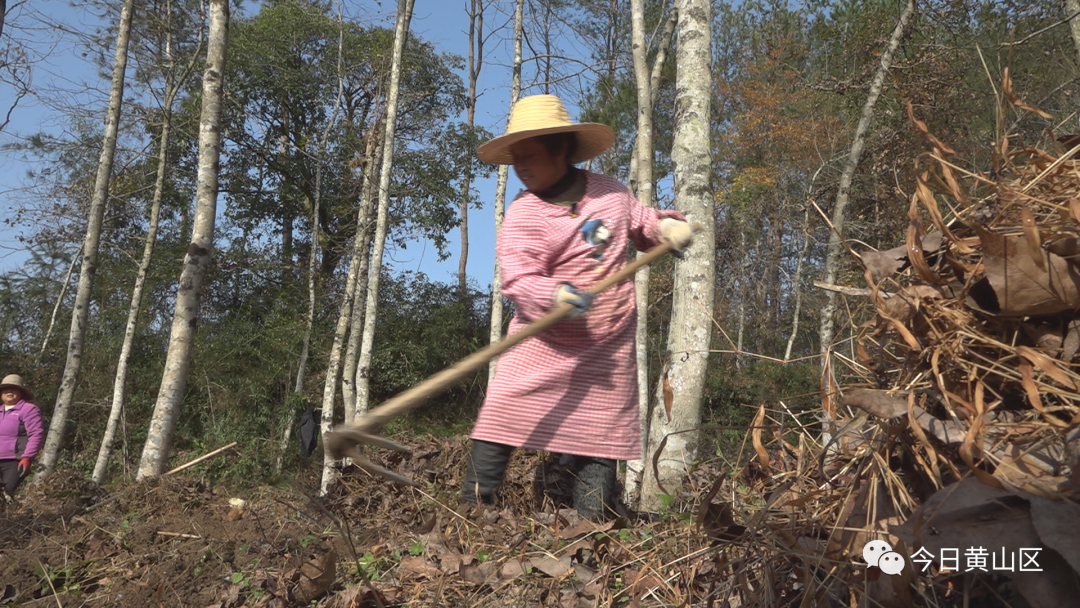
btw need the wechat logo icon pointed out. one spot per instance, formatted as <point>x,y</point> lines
<point>880,553</point>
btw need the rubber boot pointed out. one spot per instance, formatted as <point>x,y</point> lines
<point>596,488</point>
<point>484,471</point>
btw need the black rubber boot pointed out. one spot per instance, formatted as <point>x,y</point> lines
<point>596,488</point>
<point>484,471</point>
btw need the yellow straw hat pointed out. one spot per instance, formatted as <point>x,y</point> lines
<point>16,381</point>
<point>543,115</point>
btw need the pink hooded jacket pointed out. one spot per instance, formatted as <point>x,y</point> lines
<point>21,431</point>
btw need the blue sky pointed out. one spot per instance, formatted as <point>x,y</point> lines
<point>61,69</point>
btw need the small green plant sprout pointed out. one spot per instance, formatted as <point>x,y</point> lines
<point>417,548</point>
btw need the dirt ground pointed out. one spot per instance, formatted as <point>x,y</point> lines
<point>175,541</point>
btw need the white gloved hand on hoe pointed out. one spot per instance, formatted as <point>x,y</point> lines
<point>676,232</point>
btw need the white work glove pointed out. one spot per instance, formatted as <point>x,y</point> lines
<point>581,300</point>
<point>676,232</point>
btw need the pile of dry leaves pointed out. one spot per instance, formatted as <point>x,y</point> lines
<point>964,431</point>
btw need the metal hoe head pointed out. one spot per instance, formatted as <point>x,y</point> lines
<point>345,442</point>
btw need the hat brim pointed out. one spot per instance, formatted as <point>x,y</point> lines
<point>593,140</point>
<point>28,395</point>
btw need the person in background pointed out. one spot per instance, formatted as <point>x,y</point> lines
<point>21,432</point>
<point>571,390</point>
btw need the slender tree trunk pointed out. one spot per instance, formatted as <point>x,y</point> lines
<point>691,322</point>
<point>404,17</point>
<point>500,193</point>
<point>796,284</point>
<point>1072,9</point>
<point>193,276</point>
<point>59,301</point>
<point>361,257</point>
<point>475,8</point>
<point>641,176</point>
<point>88,269</point>
<point>832,258</point>
<point>120,381</point>
<point>309,318</point>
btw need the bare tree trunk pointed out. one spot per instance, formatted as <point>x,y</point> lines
<point>475,9</point>
<point>796,284</point>
<point>404,17</point>
<point>691,322</point>
<point>361,258</point>
<point>832,258</point>
<point>309,319</point>
<point>641,176</point>
<point>88,269</point>
<point>1072,12</point>
<point>59,301</point>
<point>500,193</point>
<point>119,383</point>
<point>193,276</point>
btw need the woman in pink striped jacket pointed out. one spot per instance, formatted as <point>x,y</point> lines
<point>21,432</point>
<point>573,389</point>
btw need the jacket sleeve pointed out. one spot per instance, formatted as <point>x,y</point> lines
<point>525,254</point>
<point>35,430</point>
<point>644,222</point>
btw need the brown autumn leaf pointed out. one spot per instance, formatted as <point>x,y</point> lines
<point>555,567</point>
<point>512,569</point>
<point>885,263</point>
<point>416,565</point>
<point>1014,285</point>
<point>317,576</point>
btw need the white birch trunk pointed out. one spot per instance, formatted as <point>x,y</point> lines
<point>401,31</point>
<point>691,323</point>
<point>88,269</point>
<point>832,257</point>
<point>500,193</point>
<point>193,275</point>
<point>120,381</point>
<point>361,249</point>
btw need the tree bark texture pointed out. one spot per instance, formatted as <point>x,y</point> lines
<point>1072,12</point>
<point>88,268</point>
<point>500,193</point>
<point>193,275</point>
<point>401,31</point>
<point>836,236</point>
<point>692,305</point>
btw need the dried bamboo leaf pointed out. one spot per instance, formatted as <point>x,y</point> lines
<point>1031,233</point>
<point>921,126</point>
<point>1006,88</point>
<point>762,453</point>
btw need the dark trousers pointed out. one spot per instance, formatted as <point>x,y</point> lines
<point>595,479</point>
<point>9,474</point>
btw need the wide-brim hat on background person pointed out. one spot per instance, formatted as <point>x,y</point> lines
<point>538,115</point>
<point>16,381</point>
